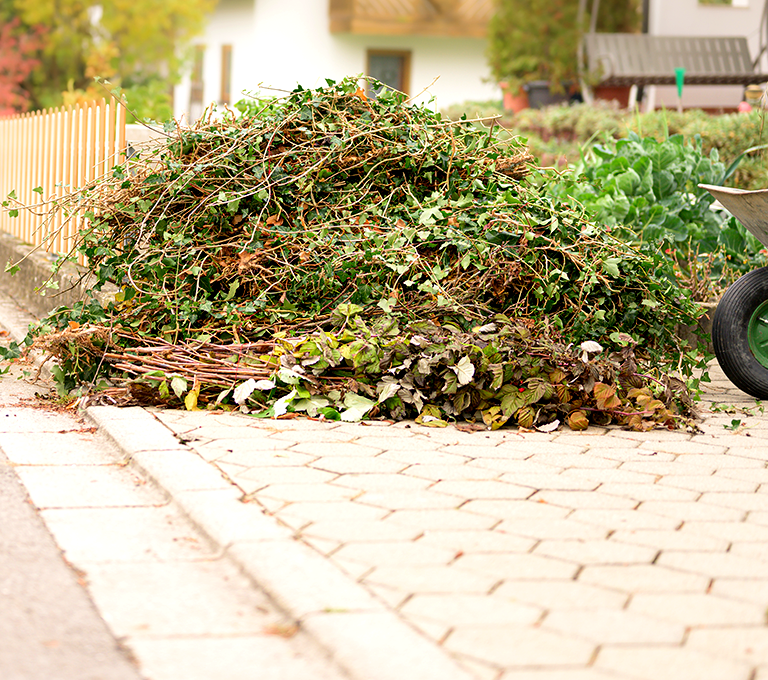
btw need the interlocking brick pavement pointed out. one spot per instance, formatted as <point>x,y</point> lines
<point>527,555</point>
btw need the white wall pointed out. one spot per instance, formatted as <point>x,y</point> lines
<point>688,17</point>
<point>279,43</point>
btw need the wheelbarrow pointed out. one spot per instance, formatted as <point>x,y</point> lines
<point>740,322</point>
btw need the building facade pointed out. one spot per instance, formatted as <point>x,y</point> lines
<point>425,48</point>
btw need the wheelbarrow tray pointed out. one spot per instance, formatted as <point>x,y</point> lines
<point>749,207</point>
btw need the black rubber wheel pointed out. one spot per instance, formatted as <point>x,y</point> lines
<point>740,333</point>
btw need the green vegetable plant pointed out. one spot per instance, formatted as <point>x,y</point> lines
<point>647,192</point>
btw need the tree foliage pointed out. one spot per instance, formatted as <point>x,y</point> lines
<point>539,41</point>
<point>18,59</point>
<point>133,44</point>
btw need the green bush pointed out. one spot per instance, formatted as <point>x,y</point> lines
<point>648,192</point>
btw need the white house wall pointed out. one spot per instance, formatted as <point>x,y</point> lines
<point>688,17</point>
<point>282,43</point>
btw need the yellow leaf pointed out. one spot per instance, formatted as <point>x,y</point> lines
<point>190,401</point>
<point>578,420</point>
<point>605,395</point>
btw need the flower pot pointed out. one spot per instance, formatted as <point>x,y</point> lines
<point>539,95</point>
<point>514,100</point>
<point>617,94</point>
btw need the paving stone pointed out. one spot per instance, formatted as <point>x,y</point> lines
<point>390,596</point>
<point>649,578</point>
<point>300,580</point>
<point>437,473</point>
<point>422,454</point>
<point>703,483</point>
<point>409,500</point>
<point>746,643</point>
<point>570,673</point>
<point>297,493</point>
<point>87,487</point>
<point>324,546</point>
<point>253,479</point>
<point>228,519</point>
<point>467,609</point>
<point>430,520</point>
<point>713,565</point>
<point>362,530</point>
<point>555,481</point>
<point>372,481</point>
<point>258,459</point>
<point>514,509</point>
<point>557,595</point>
<point>614,626</point>
<point>757,550</point>
<point>510,450</point>
<point>335,436</point>
<point>648,491</point>
<point>146,534</point>
<point>583,499</point>
<point>470,541</point>
<point>596,552</point>
<point>395,553</point>
<point>164,598</point>
<point>480,671</point>
<point>381,647</point>
<point>582,439</point>
<point>695,610</point>
<point>727,531</point>
<point>331,510</point>
<point>623,519</point>
<point>517,566</point>
<point>140,433</point>
<point>443,579</point>
<point>611,476</point>
<point>244,452</point>
<point>482,489</point>
<point>757,517</point>
<point>738,501</point>
<point>573,460</point>
<point>683,446</point>
<point>233,658</point>
<point>320,449</point>
<point>758,475</point>
<point>545,528</point>
<point>691,511</point>
<point>357,464</point>
<point>652,436</point>
<point>513,466</point>
<point>730,460</point>
<point>644,662</point>
<point>664,468</point>
<point>519,646</point>
<point>27,420</point>
<point>752,590</point>
<point>55,448</point>
<point>669,540</point>
<point>179,471</point>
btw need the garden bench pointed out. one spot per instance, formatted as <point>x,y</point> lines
<point>631,59</point>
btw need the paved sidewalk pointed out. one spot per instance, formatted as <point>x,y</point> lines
<point>412,553</point>
<point>420,553</point>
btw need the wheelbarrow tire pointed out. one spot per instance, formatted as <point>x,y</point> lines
<point>736,333</point>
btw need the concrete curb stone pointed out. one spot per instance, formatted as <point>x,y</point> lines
<point>362,634</point>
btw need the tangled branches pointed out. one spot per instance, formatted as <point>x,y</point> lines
<point>267,222</point>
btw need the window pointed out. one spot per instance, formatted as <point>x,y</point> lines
<point>196,90</point>
<point>225,97</point>
<point>393,68</point>
<point>728,3</point>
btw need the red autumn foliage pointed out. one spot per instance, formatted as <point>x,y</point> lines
<point>19,47</point>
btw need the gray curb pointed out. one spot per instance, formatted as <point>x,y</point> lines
<point>366,638</point>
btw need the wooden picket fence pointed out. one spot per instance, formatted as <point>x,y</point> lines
<point>47,154</point>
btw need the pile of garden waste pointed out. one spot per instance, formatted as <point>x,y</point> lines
<point>346,257</point>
